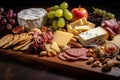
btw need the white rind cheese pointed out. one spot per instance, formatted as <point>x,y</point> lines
<point>32,18</point>
<point>94,36</point>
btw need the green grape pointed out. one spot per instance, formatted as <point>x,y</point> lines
<point>61,22</point>
<point>104,13</point>
<point>110,15</point>
<point>100,12</point>
<point>55,25</point>
<point>55,7</point>
<point>68,15</point>
<point>59,13</point>
<point>96,10</point>
<point>64,5</point>
<point>52,8</point>
<point>51,14</point>
<point>66,10</point>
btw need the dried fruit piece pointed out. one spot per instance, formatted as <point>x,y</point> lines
<point>18,29</point>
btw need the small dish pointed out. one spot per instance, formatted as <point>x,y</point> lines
<point>110,50</point>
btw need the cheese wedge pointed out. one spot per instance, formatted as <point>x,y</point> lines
<point>94,36</point>
<point>83,28</point>
<point>62,38</point>
<point>55,46</point>
<point>48,47</point>
<point>79,26</point>
<point>79,22</point>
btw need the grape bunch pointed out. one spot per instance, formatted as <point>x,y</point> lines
<point>98,15</point>
<point>103,13</point>
<point>59,16</point>
<point>8,20</point>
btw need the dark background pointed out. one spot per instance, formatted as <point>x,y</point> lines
<point>38,3</point>
<point>51,2</point>
<point>109,5</point>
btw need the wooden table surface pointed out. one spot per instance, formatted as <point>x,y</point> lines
<point>11,69</point>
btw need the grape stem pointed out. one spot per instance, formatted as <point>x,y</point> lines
<point>93,8</point>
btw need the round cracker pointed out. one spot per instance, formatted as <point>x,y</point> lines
<point>15,37</point>
<point>29,37</point>
<point>22,37</point>
<point>20,46</point>
<point>6,39</point>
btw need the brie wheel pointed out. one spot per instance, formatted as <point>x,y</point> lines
<point>32,18</point>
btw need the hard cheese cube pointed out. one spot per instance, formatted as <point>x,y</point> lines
<point>62,38</point>
<point>94,36</point>
<point>54,46</point>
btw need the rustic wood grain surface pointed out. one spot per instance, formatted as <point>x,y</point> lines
<point>11,69</point>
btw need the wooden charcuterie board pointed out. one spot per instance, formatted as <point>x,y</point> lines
<point>77,67</point>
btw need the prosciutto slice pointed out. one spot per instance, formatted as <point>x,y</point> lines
<point>112,26</point>
<point>40,39</point>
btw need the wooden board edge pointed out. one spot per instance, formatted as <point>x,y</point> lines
<point>31,58</point>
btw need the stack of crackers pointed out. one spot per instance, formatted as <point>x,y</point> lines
<point>17,41</point>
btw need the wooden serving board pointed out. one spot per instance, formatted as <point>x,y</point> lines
<point>77,67</point>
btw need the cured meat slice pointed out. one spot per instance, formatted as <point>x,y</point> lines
<point>69,57</point>
<point>110,23</point>
<point>50,34</point>
<point>76,52</point>
<point>44,36</point>
<point>110,31</point>
<point>60,56</point>
<point>112,26</point>
<point>83,57</point>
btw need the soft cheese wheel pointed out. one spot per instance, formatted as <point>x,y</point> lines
<point>32,18</point>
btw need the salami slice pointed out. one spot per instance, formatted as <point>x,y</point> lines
<point>60,56</point>
<point>69,57</point>
<point>83,57</point>
<point>76,52</point>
